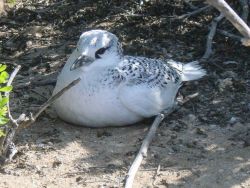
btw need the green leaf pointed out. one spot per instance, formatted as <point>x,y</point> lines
<point>11,2</point>
<point>3,111</point>
<point>2,133</point>
<point>3,120</point>
<point>4,101</point>
<point>4,74</point>
<point>6,88</point>
<point>2,67</point>
<point>2,80</point>
<point>3,77</point>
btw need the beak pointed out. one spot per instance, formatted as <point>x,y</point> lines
<point>81,61</point>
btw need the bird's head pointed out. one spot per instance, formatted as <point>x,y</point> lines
<point>96,45</point>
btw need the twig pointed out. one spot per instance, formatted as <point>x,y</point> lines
<point>6,142</point>
<point>190,4</point>
<point>49,102</point>
<point>195,12</point>
<point>7,94</point>
<point>233,17</point>
<point>188,98</point>
<point>13,75</point>
<point>156,174</point>
<point>147,140</point>
<point>35,83</point>
<point>143,151</point>
<point>210,37</point>
<point>230,35</point>
<point>8,148</point>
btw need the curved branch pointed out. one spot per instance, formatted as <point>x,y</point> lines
<point>232,16</point>
<point>7,94</point>
<point>210,37</point>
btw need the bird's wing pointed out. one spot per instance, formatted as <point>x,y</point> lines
<point>154,72</point>
<point>149,86</point>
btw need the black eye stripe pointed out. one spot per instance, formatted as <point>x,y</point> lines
<point>100,52</point>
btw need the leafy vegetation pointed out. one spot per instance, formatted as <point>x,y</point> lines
<point>3,98</point>
<point>11,1</point>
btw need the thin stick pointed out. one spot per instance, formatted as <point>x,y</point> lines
<point>233,17</point>
<point>143,150</point>
<point>7,94</point>
<point>49,102</point>
<point>13,75</point>
<point>230,35</point>
<point>156,174</point>
<point>6,142</point>
<point>188,98</point>
<point>190,4</point>
<point>36,83</point>
<point>210,37</point>
<point>195,12</point>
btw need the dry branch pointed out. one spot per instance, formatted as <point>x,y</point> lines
<point>210,37</point>
<point>50,101</point>
<point>156,174</point>
<point>148,139</point>
<point>195,12</point>
<point>190,4</point>
<point>35,83</point>
<point>7,94</point>
<point>228,34</point>
<point>6,142</point>
<point>233,17</point>
<point>143,150</point>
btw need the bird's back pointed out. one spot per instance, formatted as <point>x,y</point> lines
<point>153,72</point>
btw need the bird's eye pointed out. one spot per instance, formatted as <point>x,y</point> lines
<point>100,52</point>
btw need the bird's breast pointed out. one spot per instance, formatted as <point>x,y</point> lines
<point>94,102</point>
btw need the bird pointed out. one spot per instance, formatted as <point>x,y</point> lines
<point>116,89</point>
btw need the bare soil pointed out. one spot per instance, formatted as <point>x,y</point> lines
<point>203,145</point>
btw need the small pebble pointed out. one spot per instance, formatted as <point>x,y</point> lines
<point>38,35</point>
<point>79,179</point>
<point>233,120</point>
<point>56,163</point>
<point>201,131</point>
<point>29,44</point>
<point>225,83</point>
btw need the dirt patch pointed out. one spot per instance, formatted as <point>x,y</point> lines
<point>205,144</point>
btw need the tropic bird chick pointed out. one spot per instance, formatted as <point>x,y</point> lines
<point>115,89</point>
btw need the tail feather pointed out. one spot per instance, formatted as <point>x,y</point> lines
<point>192,71</point>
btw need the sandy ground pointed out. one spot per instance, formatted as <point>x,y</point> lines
<point>203,145</point>
<point>55,154</point>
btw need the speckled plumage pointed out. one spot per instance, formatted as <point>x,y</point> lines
<point>138,70</point>
<point>116,89</point>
